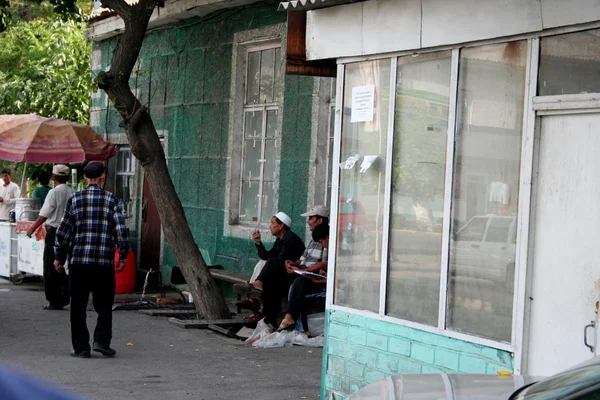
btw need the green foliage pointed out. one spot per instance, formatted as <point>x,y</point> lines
<point>13,11</point>
<point>45,69</point>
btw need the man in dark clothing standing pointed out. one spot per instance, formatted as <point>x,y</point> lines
<point>92,223</point>
<point>56,284</point>
<point>274,281</point>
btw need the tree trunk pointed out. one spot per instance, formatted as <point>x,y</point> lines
<point>146,147</point>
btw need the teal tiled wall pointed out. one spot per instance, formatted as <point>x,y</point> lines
<point>361,350</point>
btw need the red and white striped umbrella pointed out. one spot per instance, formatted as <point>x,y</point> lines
<point>36,139</point>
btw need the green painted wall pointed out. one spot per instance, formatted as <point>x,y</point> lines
<point>185,77</point>
<point>361,350</point>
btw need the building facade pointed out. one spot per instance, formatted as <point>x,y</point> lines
<point>243,139</point>
<point>465,132</point>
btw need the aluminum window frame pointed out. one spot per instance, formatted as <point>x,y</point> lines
<point>526,165</point>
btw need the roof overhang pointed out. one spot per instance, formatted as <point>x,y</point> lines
<point>304,5</point>
<point>108,25</point>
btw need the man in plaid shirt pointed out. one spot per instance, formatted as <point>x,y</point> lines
<point>91,228</point>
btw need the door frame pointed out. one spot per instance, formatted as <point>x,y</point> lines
<point>540,106</point>
<point>163,137</point>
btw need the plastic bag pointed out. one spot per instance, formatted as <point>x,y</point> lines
<point>316,323</point>
<point>262,330</point>
<point>286,338</point>
<point>303,340</point>
<point>275,339</point>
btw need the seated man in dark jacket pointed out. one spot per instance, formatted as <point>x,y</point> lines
<point>273,282</point>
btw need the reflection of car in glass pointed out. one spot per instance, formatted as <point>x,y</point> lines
<point>485,248</point>
<point>578,383</point>
<point>352,221</point>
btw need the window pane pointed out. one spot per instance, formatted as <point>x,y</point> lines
<point>253,78</point>
<point>421,131</point>
<point>124,191</point>
<point>267,202</point>
<point>124,161</point>
<point>570,64</point>
<point>252,149</point>
<point>277,74</point>
<point>249,201</point>
<point>270,156</point>
<point>362,183</point>
<point>487,159</point>
<point>499,229</point>
<point>472,231</point>
<point>267,65</point>
<point>271,123</point>
<point>253,124</point>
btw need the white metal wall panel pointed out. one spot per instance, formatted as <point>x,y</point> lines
<point>371,27</point>
<point>334,32</point>
<point>459,21</point>
<point>557,13</point>
<point>391,25</point>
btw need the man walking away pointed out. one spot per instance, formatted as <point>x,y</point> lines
<point>9,191</point>
<point>92,222</point>
<point>56,283</point>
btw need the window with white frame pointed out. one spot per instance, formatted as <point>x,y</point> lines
<point>439,135</point>
<point>125,174</point>
<point>260,133</point>
<point>322,153</point>
<point>330,138</point>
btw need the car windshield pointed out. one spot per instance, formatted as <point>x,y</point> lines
<point>473,230</point>
<point>580,383</point>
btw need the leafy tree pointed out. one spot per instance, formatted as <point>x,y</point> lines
<point>146,147</point>
<point>12,11</point>
<point>44,69</point>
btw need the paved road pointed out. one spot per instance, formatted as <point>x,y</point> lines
<point>165,362</point>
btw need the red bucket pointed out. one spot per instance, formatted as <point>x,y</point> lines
<point>125,280</point>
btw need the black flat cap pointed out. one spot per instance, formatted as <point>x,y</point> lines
<point>94,169</point>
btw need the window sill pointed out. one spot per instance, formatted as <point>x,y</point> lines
<point>242,231</point>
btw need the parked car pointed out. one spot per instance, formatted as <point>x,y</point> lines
<point>578,383</point>
<point>485,248</point>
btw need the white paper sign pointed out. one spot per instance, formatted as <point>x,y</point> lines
<point>363,101</point>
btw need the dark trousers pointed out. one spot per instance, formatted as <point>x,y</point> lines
<point>297,304</point>
<point>56,284</point>
<point>276,283</point>
<point>100,281</point>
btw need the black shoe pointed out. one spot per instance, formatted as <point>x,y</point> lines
<point>52,307</point>
<point>81,354</point>
<point>104,350</point>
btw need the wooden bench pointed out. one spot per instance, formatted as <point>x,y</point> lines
<point>217,273</point>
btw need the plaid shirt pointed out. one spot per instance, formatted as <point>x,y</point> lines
<point>93,224</point>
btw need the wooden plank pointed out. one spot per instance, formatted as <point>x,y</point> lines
<point>296,63</point>
<point>225,331</point>
<point>167,313</point>
<point>229,276</point>
<point>204,323</point>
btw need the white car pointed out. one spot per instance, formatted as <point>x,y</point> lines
<point>581,382</point>
<point>485,248</point>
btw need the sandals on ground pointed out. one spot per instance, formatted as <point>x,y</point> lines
<point>286,327</point>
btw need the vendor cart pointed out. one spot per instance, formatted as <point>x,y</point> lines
<point>8,249</point>
<point>34,139</point>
